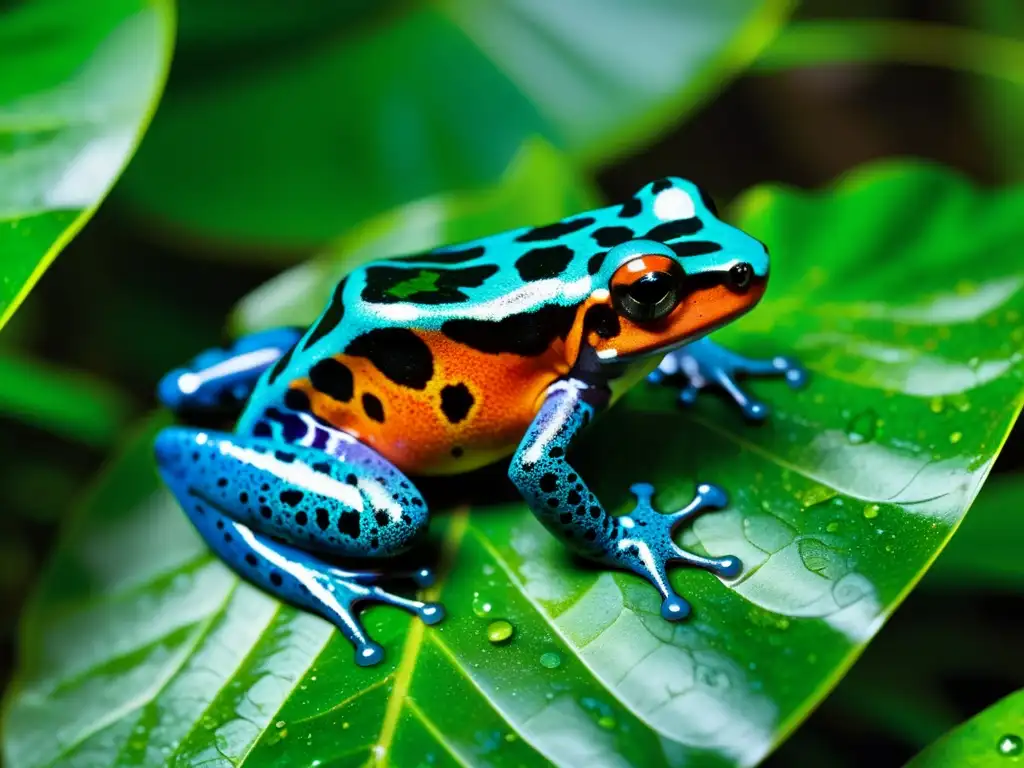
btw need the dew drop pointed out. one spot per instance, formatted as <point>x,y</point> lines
<point>955,437</point>
<point>937,405</point>
<point>863,427</point>
<point>482,606</point>
<point>550,660</point>
<point>499,631</point>
<point>871,511</point>
<point>1010,745</point>
<point>607,722</point>
<point>510,737</point>
<point>832,527</point>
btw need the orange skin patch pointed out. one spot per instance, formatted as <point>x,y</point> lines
<point>507,389</point>
<point>416,436</point>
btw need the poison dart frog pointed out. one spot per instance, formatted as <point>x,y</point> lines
<point>442,362</point>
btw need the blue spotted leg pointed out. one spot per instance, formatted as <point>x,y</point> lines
<point>640,541</point>
<point>704,363</point>
<point>218,381</point>
<point>265,507</point>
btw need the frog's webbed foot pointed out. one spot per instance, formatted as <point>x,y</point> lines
<point>646,546</point>
<point>704,363</point>
<point>345,590</point>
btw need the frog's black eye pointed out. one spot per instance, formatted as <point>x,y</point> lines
<point>740,277</point>
<point>708,201</point>
<point>647,289</point>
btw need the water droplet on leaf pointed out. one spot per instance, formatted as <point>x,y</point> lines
<point>499,631</point>
<point>937,405</point>
<point>1010,745</point>
<point>607,722</point>
<point>871,511</point>
<point>863,427</point>
<point>550,660</point>
<point>955,437</point>
<point>482,606</point>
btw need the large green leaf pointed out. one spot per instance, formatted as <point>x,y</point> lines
<point>901,290</point>
<point>298,139</point>
<point>991,739</point>
<point>78,82</point>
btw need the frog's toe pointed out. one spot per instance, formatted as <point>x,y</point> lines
<point>423,578</point>
<point>674,608</point>
<point>796,374</point>
<point>369,654</point>
<point>347,594</point>
<point>648,549</point>
<point>431,613</point>
<point>688,395</point>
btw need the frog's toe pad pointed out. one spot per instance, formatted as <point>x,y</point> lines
<point>674,608</point>
<point>648,548</point>
<point>728,567</point>
<point>431,613</point>
<point>369,654</point>
<point>423,578</point>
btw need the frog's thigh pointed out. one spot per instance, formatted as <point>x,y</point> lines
<point>351,502</point>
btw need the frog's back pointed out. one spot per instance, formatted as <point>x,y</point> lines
<point>439,360</point>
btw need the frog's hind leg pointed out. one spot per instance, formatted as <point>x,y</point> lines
<point>641,540</point>
<point>217,382</point>
<point>704,363</point>
<point>268,508</point>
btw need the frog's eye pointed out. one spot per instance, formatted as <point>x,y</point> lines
<point>740,277</point>
<point>647,288</point>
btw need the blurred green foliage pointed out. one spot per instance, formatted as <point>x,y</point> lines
<point>317,135</point>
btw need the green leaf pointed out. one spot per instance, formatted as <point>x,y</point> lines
<point>992,739</point>
<point>299,140</point>
<point>901,290</point>
<point>79,83</point>
<point>71,404</point>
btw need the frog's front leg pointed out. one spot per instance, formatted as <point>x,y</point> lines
<point>217,382</point>
<point>704,363</point>
<point>640,541</point>
<point>261,505</point>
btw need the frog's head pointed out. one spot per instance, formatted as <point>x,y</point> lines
<point>683,274</point>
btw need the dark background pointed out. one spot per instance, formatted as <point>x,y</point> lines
<point>122,306</point>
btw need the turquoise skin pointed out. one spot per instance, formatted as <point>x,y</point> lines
<point>630,288</point>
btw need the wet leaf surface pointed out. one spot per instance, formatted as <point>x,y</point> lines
<point>901,290</point>
<point>79,82</point>
<point>991,739</point>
